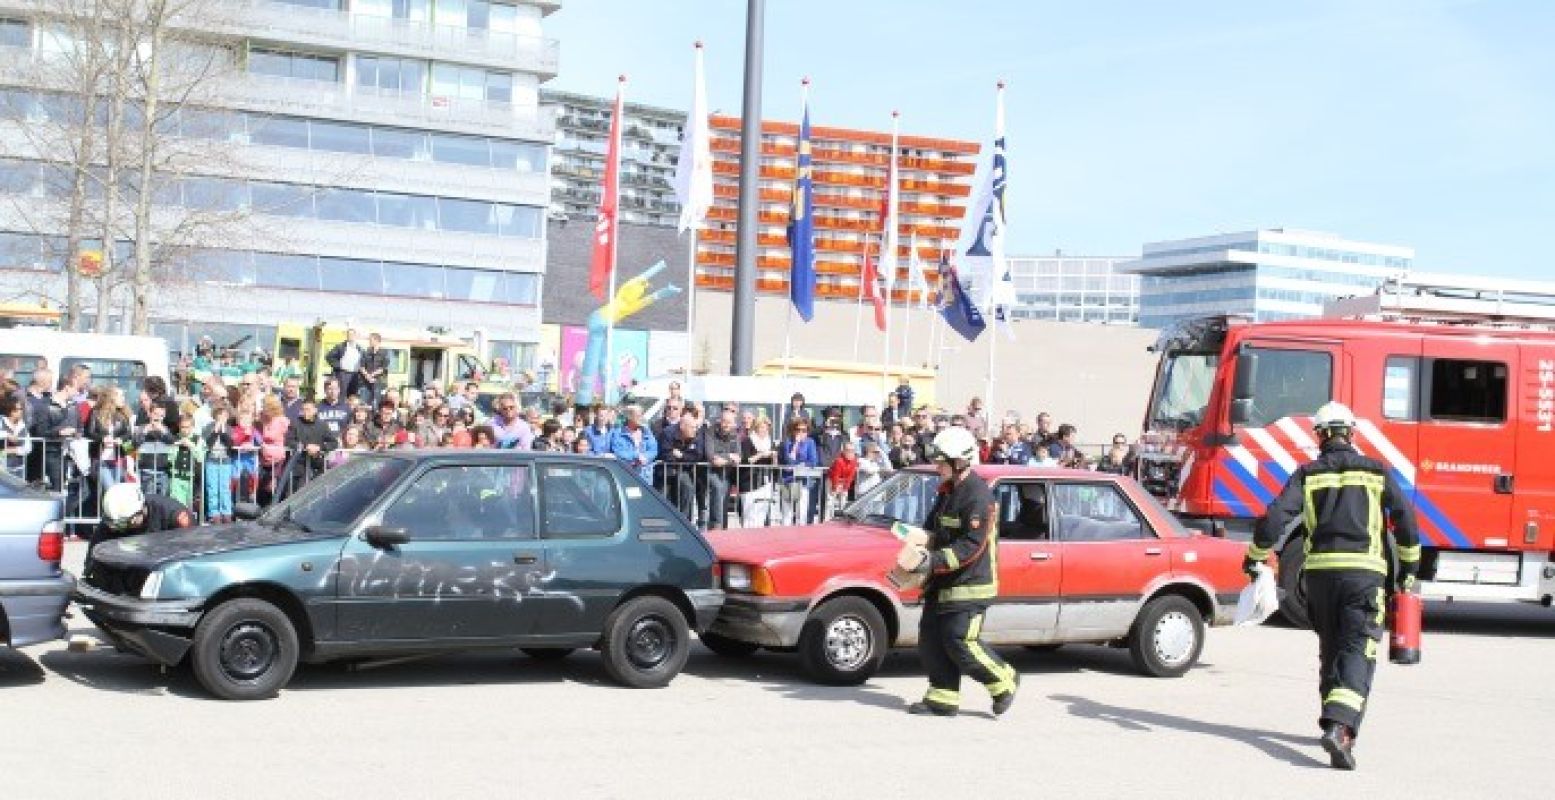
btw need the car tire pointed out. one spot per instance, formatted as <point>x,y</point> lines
<point>244,649</point>
<point>646,642</point>
<point>843,642</point>
<point>1293,591</point>
<point>728,648</point>
<point>1167,637</point>
<point>547,653</point>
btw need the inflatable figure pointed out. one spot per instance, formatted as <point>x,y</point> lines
<point>631,297</point>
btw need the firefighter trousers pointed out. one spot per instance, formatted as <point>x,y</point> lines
<point>1348,611</point>
<point>950,645</point>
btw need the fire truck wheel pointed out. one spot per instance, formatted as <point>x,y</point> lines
<point>1293,593</point>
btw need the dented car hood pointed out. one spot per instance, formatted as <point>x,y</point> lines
<point>155,549</point>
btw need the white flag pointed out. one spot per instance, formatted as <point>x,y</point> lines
<point>890,241</point>
<point>694,170</point>
<point>917,280</point>
<point>986,271</point>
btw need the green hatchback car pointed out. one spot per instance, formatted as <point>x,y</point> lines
<point>406,553</point>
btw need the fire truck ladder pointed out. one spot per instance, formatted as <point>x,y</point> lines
<point>1453,300</point>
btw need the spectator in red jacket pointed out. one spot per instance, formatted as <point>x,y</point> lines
<point>843,471</point>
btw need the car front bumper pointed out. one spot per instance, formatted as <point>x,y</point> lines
<point>706,603</point>
<point>769,622</point>
<point>35,608</point>
<point>160,630</point>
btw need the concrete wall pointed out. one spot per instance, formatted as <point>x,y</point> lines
<point>1094,376</point>
<point>569,248</point>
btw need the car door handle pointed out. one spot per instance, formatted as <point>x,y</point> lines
<point>1152,551</point>
<point>1041,556</point>
<point>522,559</point>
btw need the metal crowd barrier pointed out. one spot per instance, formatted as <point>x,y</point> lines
<point>750,496</point>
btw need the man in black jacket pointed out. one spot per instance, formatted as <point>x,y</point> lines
<point>310,440</point>
<point>345,359</point>
<point>721,443</point>
<point>685,459</point>
<point>373,369</point>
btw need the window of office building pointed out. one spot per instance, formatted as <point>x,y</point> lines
<point>350,275</point>
<point>331,5</point>
<point>408,10</point>
<point>339,137</point>
<point>393,75</point>
<point>15,33</point>
<point>393,143</point>
<point>471,83</point>
<point>302,66</point>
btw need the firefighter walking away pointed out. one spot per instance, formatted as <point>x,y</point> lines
<point>961,562</point>
<point>1343,498</point>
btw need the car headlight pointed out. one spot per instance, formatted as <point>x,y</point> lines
<point>152,587</point>
<point>737,577</point>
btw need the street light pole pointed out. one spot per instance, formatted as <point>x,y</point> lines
<point>741,358</point>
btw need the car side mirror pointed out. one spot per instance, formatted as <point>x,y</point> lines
<point>1246,375</point>
<point>246,511</point>
<point>384,537</point>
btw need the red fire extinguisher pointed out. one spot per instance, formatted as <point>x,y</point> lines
<point>1404,610</point>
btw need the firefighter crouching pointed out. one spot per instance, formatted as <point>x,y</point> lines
<point>1342,497</point>
<point>962,579</point>
<point>127,511</point>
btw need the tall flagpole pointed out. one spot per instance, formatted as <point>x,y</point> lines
<point>858,315</point>
<point>907,305</point>
<point>993,342</point>
<point>691,305</point>
<point>888,248</point>
<point>694,184</point>
<point>610,319</point>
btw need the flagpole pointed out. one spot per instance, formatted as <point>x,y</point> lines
<point>691,305</point>
<point>907,305</point>
<point>858,313</point>
<point>993,342</point>
<point>607,392</point>
<point>888,248</point>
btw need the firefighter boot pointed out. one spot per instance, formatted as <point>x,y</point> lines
<point>921,708</point>
<point>1340,744</point>
<point>1003,702</point>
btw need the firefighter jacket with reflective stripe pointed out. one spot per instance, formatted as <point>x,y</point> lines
<point>1343,498</point>
<point>963,545</point>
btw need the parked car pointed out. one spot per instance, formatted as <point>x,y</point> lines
<point>33,589</point>
<point>413,552</point>
<point>1082,557</point>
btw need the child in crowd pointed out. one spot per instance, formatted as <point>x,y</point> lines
<point>219,455</point>
<point>246,441</point>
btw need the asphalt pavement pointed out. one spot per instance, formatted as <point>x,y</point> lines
<point>1473,720</point>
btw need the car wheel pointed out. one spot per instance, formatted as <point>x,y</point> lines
<point>646,643</point>
<point>728,648</point>
<point>843,642</point>
<point>1167,637</point>
<point>547,653</point>
<point>244,649</point>
<point>1293,592</point>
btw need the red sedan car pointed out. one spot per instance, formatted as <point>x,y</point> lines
<point>1082,557</point>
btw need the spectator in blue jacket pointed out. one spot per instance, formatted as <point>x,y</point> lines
<point>635,445</point>
<point>602,430</point>
<point>798,450</point>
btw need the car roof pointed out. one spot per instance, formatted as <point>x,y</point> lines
<point>993,472</point>
<point>483,454</point>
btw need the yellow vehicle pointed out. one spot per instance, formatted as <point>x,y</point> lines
<point>921,380</point>
<point>29,315</point>
<point>415,359</point>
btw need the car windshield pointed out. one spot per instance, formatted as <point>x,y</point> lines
<point>334,501</point>
<point>903,497</point>
<point>1182,392</point>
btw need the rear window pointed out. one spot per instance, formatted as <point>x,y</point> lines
<point>21,366</point>
<point>10,485</point>
<point>125,374</point>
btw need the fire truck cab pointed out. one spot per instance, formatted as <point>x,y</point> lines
<point>1460,407</point>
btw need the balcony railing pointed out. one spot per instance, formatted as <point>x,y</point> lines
<point>298,96</point>
<point>288,21</point>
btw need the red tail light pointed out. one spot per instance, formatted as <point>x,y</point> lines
<point>51,543</point>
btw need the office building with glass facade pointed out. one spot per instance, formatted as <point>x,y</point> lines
<point>1270,274</point>
<point>650,146</point>
<point>1064,288</point>
<point>387,158</point>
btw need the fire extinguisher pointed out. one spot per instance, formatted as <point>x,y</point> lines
<point>1404,612</point>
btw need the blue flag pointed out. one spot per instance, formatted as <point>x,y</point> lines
<point>801,230</point>
<point>956,306</point>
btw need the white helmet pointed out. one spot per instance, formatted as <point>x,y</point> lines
<point>954,444</point>
<point>121,503</point>
<point>1332,416</point>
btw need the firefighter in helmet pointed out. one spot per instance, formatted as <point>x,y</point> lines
<point>962,579</point>
<point>128,511</point>
<point>1343,498</point>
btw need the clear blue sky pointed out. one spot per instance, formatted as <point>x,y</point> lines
<point>1426,123</point>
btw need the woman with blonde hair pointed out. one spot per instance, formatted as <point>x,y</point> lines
<point>107,431</point>
<point>273,424</point>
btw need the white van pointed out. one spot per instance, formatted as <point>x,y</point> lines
<point>765,395</point>
<point>123,361</point>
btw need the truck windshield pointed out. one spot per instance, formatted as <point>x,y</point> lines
<point>1182,390</point>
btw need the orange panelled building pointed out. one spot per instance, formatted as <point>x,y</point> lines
<point>850,169</point>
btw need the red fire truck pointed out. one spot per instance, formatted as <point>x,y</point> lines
<point>1454,391</point>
